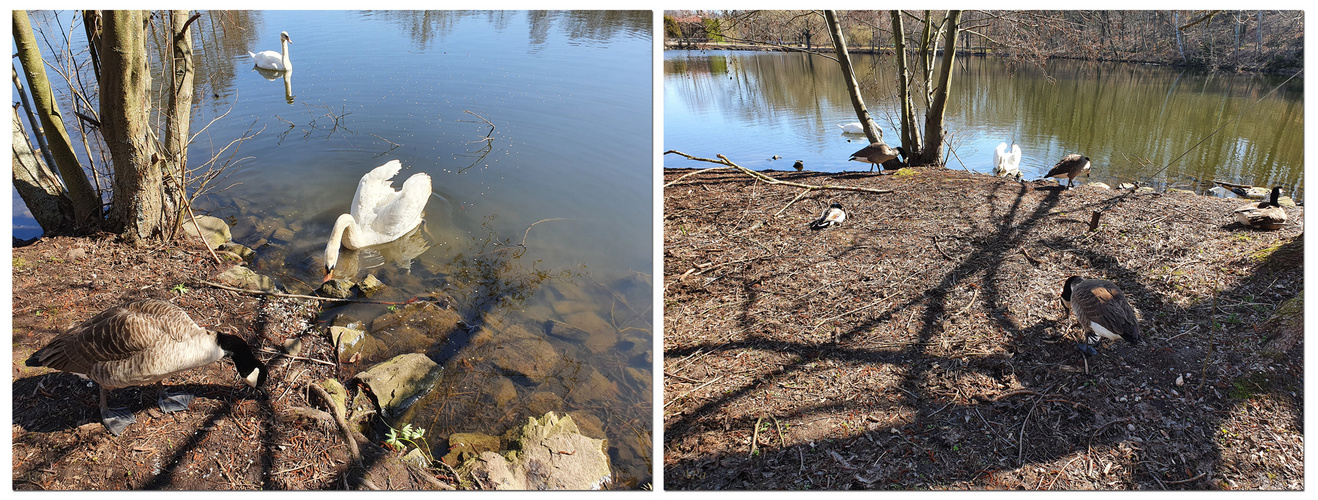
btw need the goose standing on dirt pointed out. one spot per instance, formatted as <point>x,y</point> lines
<point>379,214</point>
<point>141,343</point>
<point>833,215</point>
<point>277,61</point>
<point>1070,167</point>
<point>877,153</point>
<point>1264,214</point>
<point>1005,163</point>
<point>1102,311</point>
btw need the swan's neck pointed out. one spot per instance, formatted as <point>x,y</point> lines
<point>288,65</point>
<point>345,234</point>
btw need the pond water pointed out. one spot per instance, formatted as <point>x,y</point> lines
<point>536,130</point>
<point>1130,119</point>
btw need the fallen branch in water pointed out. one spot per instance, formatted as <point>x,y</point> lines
<point>723,160</point>
<point>296,296</point>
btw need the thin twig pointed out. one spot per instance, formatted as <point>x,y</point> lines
<point>940,249</point>
<point>702,386</point>
<point>528,228</point>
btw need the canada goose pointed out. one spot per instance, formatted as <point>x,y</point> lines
<point>877,153</point>
<point>1007,164</point>
<point>852,128</point>
<point>141,343</point>
<point>269,59</point>
<point>832,215</point>
<point>799,165</point>
<point>1264,214</point>
<point>379,214</point>
<point>1070,167</point>
<point>1101,309</point>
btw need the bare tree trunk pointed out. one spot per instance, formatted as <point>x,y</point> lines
<point>178,114</point>
<point>933,118</point>
<point>37,185</point>
<point>140,210</point>
<point>844,59</point>
<point>910,134</point>
<point>86,206</point>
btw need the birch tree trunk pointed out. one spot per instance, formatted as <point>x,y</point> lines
<point>844,59</point>
<point>37,185</point>
<point>178,116</point>
<point>910,134</point>
<point>933,119</point>
<point>86,206</point>
<point>142,209</point>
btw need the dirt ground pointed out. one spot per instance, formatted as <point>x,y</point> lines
<point>922,345</point>
<point>233,437</point>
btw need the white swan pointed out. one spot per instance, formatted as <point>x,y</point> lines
<point>379,214</point>
<point>272,60</point>
<point>852,128</point>
<point>1007,164</point>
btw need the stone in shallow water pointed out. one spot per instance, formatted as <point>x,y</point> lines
<point>242,277</point>
<point>464,446</point>
<point>502,390</point>
<point>591,385</point>
<point>370,285</point>
<point>335,289</point>
<point>241,251</point>
<point>552,454</point>
<point>518,353</point>
<point>400,381</point>
<point>543,402</point>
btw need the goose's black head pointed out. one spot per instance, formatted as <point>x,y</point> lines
<point>252,370</point>
<point>836,205</point>
<point>902,152</point>
<point>1067,288</point>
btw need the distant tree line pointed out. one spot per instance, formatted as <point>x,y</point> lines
<point>1214,39</point>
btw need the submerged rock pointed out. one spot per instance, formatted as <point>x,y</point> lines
<point>399,382</point>
<point>501,391</point>
<point>464,446</point>
<point>518,353</point>
<point>335,289</point>
<point>548,454</point>
<point>246,254</point>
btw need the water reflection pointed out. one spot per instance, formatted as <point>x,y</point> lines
<point>1130,119</point>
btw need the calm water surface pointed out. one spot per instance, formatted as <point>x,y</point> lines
<point>1130,119</point>
<point>535,128</point>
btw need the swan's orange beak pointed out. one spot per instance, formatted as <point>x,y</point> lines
<point>329,275</point>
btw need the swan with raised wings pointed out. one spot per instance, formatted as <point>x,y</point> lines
<point>379,213</point>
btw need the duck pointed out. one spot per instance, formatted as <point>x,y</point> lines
<point>141,343</point>
<point>799,165</point>
<point>379,214</point>
<point>832,216</point>
<point>1007,164</point>
<point>1070,167</point>
<point>877,153</point>
<point>1102,311</point>
<point>852,128</point>
<point>1264,214</point>
<point>271,60</point>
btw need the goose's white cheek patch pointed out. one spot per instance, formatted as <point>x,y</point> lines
<point>253,377</point>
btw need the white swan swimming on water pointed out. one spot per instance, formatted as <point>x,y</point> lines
<point>1007,164</point>
<point>277,61</point>
<point>852,128</point>
<point>379,214</point>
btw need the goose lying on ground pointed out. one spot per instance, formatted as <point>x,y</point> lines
<point>277,61</point>
<point>141,343</point>
<point>1102,311</point>
<point>1264,214</point>
<point>1070,167</point>
<point>833,215</point>
<point>379,214</point>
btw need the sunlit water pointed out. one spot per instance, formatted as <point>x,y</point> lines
<point>535,128</point>
<point>1130,119</point>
